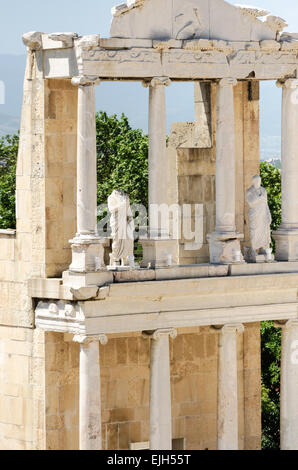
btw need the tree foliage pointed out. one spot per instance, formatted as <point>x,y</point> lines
<point>122,163</point>
<point>122,159</point>
<point>271,180</point>
<point>271,337</point>
<point>8,160</point>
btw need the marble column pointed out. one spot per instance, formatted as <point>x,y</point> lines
<point>87,247</point>
<point>157,149</point>
<point>286,236</point>
<point>228,387</point>
<point>90,392</point>
<point>159,247</point>
<point>289,386</point>
<point>160,390</point>
<point>224,242</point>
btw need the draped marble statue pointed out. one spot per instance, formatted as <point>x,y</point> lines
<point>259,219</point>
<point>122,225</point>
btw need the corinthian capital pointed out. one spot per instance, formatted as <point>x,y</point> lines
<point>81,339</point>
<point>157,334</point>
<point>290,83</point>
<point>231,328</point>
<point>227,82</point>
<point>85,81</point>
<point>157,81</point>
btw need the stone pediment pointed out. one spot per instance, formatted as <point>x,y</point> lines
<point>193,19</point>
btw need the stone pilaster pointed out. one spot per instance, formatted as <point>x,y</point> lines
<point>228,387</point>
<point>160,390</point>
<point>90,392</point>
<point>224,242</point>
<point>286,236</point>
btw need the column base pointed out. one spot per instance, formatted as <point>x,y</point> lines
<point>87,254</point>
<point>262,256</point>
<point>159,252</point>
<point>224,248</point>
<point>286,243</point>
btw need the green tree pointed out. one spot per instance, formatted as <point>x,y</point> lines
<point>270,336</point>
<point>8,160</point>
<point>271,180</point>
<point>122,162</point>
<point>122,159</point>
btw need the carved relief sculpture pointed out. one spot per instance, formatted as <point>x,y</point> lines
<point>259,219</point>
<point>123,227</point>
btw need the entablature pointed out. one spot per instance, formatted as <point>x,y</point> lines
<point>138,59</point>
<point>181,303</point>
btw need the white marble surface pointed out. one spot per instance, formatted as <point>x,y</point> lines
<point>123,227</point>
<point>187,19</point>
<point>90,392</point>
<point>259,217</point>
<point>160,391</point>
<point>157,148</point>
<point>228,388</point>
<point>286,236</point>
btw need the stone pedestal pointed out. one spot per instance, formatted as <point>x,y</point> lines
<point>90,392</point>
<point>286,237</point>
<point>160,391</point>
<point>224,242</point>
<point>228,388</point>
<point>224,248</point>
<point>286,244</point>
<point>87,254</point>
<point>159,253</point>
<point>289,386</point>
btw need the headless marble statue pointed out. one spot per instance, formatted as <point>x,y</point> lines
<point>259,219</point>
<point>123,227</point>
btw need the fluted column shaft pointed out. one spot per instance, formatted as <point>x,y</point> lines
<point>86,163</point>
<point>289,156</point>
<point>225,157</point>
<point>160,391</point>
<point>157,149</point>
<point>90,392</point>
<point>228,388</point>
<point>286,237</point>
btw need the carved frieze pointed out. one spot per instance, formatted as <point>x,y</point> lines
<point>122,56</point>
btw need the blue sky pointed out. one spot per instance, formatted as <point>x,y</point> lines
<point>94,16</point>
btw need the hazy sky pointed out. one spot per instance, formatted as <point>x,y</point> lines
<point>92,16</point>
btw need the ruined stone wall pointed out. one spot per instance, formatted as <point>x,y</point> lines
<point>21,389</point>
<point>125,363</point>
<point>46,220</point>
